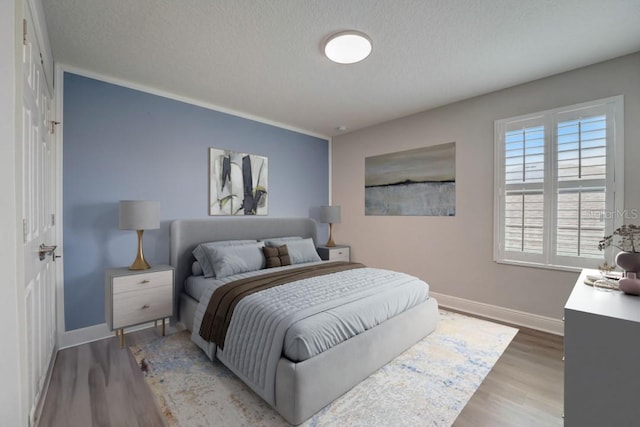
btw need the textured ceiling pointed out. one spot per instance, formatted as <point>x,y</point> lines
<point>263,58</point>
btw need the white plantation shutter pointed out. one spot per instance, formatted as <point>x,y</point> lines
<point>524,215</point>
<point>524,180</point>
<point>582,172</point>
<point>558,184</point>
<point>582,145</point>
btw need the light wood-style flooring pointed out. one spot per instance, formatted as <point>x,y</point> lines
<point>99,384</point>
<point>524,389</point>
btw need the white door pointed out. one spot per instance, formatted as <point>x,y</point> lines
<point>38,170</point>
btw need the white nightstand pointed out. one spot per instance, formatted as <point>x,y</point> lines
<point>335,253</point>
<point>140,296</point>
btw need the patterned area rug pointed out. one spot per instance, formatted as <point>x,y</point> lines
<point>427,385</point>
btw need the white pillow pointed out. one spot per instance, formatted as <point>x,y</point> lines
<point>279,241</point>
<point>230,260</point>
<point>302,251</point>
<point>200,253</point>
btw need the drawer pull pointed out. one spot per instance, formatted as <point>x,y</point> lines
<point>144,306</point>
<point>144,281</point>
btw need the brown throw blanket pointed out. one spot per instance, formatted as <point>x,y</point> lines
<point>217,317</point>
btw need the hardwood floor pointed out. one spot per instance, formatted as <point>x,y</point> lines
<point>525,388</point>
<point>99,384</point>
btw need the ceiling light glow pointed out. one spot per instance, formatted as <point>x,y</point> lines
<point>347,47</point>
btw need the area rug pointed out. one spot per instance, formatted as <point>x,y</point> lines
<point>428,385</point>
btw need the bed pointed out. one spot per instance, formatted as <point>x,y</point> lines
<point>298,389</point>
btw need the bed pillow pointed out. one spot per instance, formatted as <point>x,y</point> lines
<point>279,241</point>
<point>196,269</point>
<point>230,260</point>
<point>300,251</point>
<point>276,257</point>
<point>200,253</point>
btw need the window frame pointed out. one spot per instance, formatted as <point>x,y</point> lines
<point>614,185</point>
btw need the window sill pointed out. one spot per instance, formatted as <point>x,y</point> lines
<point>543,266</point>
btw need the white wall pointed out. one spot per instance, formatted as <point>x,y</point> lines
<point>454,254</point>
<point>11,413</point>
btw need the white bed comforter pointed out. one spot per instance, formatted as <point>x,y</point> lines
<point>305,318</point>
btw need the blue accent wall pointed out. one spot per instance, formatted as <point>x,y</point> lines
<point>121,144</point>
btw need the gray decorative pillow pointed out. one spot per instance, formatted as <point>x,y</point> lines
<point>196,269</point>
<point>302,251</point>
<point>230,260</point>
<point>200,253</point>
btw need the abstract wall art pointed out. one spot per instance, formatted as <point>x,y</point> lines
<point>414,182</point>
<point>237,183</point>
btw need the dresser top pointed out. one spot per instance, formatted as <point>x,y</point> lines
<point>614,304</point>
<point>125,270</point>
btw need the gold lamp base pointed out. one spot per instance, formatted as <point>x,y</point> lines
<point>140,263</point>
<point>330,243</point>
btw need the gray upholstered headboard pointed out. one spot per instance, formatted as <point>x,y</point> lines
<point>186,234</point>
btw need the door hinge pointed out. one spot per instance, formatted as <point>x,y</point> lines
<point>53,220</point>
<point>24,32</point>
<point>24,230</point>
<point>52,126</point>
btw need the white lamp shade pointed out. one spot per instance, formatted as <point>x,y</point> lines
<point>330,214</point>
<point>139,215</point>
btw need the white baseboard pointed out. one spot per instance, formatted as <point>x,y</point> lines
<point>520,318</point>
<point>92,333</point>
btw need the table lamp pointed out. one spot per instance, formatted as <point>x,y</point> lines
<point>330,215</point>
<point>139,215</point>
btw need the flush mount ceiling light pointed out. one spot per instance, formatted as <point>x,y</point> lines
<point>347,47</point>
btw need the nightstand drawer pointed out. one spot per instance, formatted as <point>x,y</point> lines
<point>131,308</point>
<point>140,282</point>
<point>339,254</point>
<point>335,253</point>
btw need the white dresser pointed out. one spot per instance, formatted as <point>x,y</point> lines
<point>602,357</point>
<point>135,297</point>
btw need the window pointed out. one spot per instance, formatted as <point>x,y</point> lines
<point>559,184</point>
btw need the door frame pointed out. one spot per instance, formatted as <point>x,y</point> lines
<point>12,369</point>
<point>58,112</point>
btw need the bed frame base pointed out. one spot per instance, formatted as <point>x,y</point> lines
<point>304,388</point>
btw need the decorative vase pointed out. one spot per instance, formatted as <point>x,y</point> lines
<point>629,286</point>
<point>629,261</point>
